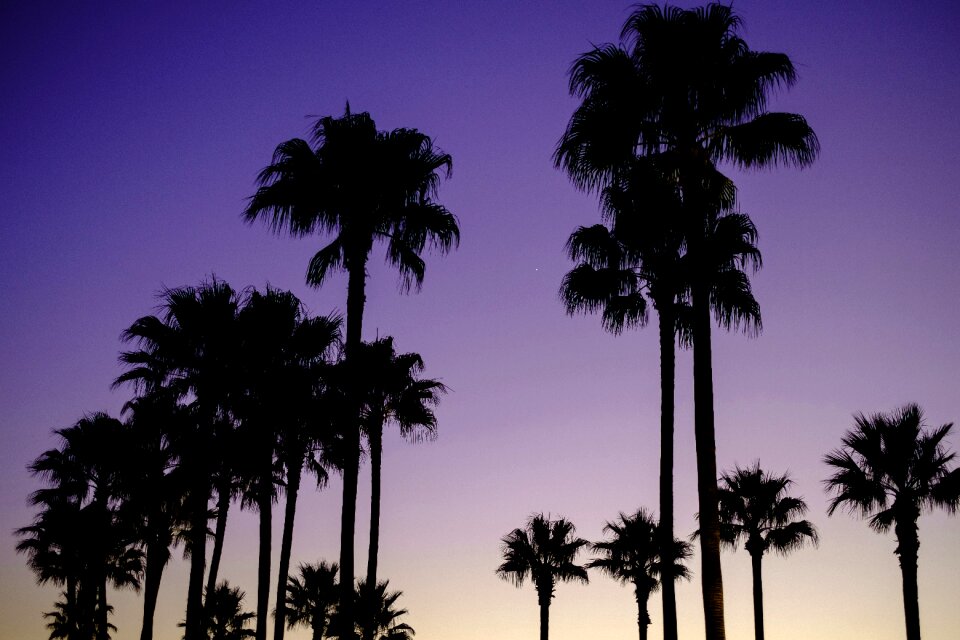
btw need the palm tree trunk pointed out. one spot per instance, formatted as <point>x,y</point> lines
<point>756,558</point>
<point>194,624</point>
<point>376,450</point>
<point>294,472</point>
<point>103,610</point>
<point>908,546</point>
<point>158,553</point>
<point>356,298</point>
<point>544,618</point>
<point>224,494</point>
<point>710,572</point>
<point>643,616</point>
<point>667,329</point>
<point>265,507</point>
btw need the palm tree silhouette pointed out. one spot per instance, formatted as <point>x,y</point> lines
<point>393,392</point>
<point>891,469</point>
<point>312,598</point>
<point>378,613</point>
<point>79,538</point>
<point>360,185</point>
<point>192,350</point>
<point>224,617</point>
<point>634,555</point>
<point>755,509</point>
<point>545,551</point>
<point>684,87</point>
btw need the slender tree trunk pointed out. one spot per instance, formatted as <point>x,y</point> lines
<point>544,618</point>
<point>376,456</point>
<point>710,572</point>
<point>756,557</point>
<point>224,494</point>
<point>667,329</point>
<point>194,625</point>
<point>158,553</point>
<point>643,616</point>
<point>351,468</point>
<point>103,611</point>
<point>294,473</point>
<point>908,546</point>
<point>265,507</point>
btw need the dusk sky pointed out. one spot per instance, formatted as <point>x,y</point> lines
<point>131,135</point>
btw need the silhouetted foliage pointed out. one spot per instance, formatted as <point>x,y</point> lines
<point>545,551</point>
<point>755,510</point>
<point>891,469</point>
<point>312,598</point>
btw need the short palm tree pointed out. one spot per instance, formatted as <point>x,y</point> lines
<point>755,510</point>
<point>377,613</point>
<point>891,468</point>
<point>683,86</point>
<point>545,551</point>
<point>634,555</point>
<point>224,617</point>
<point>361,186</point>
<point>311,598</point>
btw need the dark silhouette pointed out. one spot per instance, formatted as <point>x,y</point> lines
<point>638,251</point>
<point>634,555</point>
<point>891,469</point>
<point>312,598</point>
<point>545,551</point>
<point>81,538</point>
<point>755,509</point>
<point>192,351</point>
<point>392,392</point>
<point>685,88</point>
<point>361,185</point>
<point>224,617</point>
<point>378,614</point>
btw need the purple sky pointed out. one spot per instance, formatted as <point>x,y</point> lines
<point>130,137</point>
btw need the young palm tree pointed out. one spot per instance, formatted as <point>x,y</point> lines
<point>545,551</point>
<point>312,598</point>
<point>192,349</point>
<point>362,186</point>
<point>393,392</point>
<point>224,617</point>
<point>891,469</point>
<point>684,87</point>
<point>377,613</point>
<point>755,509</point>
<point>634,555</point>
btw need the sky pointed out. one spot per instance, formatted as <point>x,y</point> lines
<point>131,135</point>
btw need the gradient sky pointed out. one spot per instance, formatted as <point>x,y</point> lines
<point>130,136</point>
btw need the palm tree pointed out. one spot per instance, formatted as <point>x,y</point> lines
<point>891,469</point>
<point>79,538</point>
<point>360,185</point>
<point>225,618</point>
<point>393,392</point>
<point>634,555</point>
<point>378,614</point>
<point>192,350</point>
<point>755,509</point>
<point>311,598</point>
<point>545,551</point>
<point>684,87</point>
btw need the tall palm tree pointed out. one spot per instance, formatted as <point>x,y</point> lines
<point>192,350</point>
<point>891,468</point>
<point>311,598</point>
<point>684,87</point>
<point>634,555</point>
<point>393,392</point>
<point>545,551</point>
<point>361,186</point>
<point>755,510</point>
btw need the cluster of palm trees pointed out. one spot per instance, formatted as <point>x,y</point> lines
<point>238,393</point>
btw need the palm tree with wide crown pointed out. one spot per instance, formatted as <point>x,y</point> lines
<point>684,87</point>
<point>756,510</point>
<point>361,186</point>
<point>633,554</point>
<point>311,598</point>
<point>891,469</point>
<point>545,551</point>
